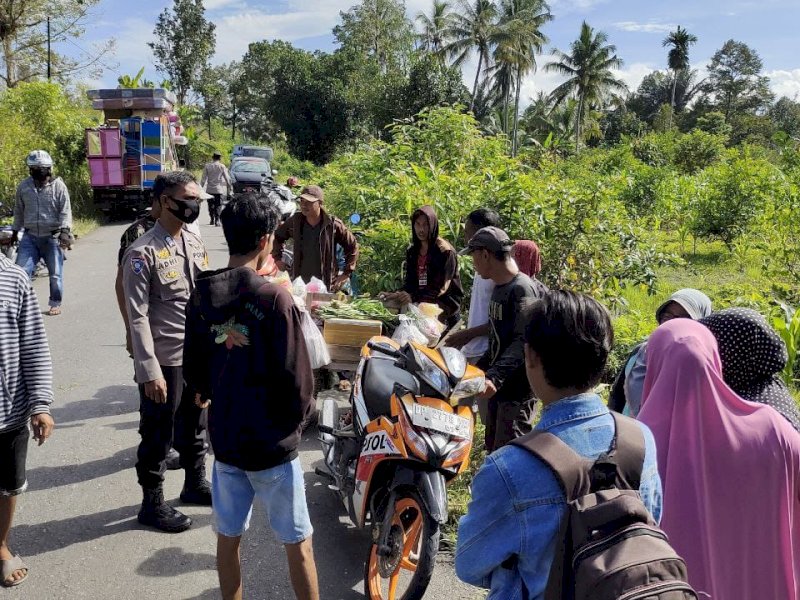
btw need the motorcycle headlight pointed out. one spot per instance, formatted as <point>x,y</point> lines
<point>469,387</point>
<point>455,360</point>
<point>432,375</point>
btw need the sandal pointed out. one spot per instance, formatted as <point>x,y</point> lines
<point>54,311</point>
<point>7,569</point>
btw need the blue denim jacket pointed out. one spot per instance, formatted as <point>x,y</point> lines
<point>517,504</point>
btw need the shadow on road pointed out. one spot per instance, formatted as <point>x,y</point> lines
<point>46,478</point>
<point>59,534</point>
<point>110,401</point>
<point>169,562</point>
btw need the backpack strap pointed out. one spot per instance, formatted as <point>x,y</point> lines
<point>627,451</point>
<point>569,467</point>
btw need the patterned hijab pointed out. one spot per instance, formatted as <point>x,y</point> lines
<point>753,356</point>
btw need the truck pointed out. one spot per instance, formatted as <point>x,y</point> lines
<point>137,141</point>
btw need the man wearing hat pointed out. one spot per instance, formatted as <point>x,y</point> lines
<point>315,235</point>
<point>507,392</point>
<point>216,181</point>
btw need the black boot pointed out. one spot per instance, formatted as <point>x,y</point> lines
<point>157,513</point>
<point>196,490</point>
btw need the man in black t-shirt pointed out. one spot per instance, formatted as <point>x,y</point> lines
<point>507,390</point>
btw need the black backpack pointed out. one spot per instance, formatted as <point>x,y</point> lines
<point>610,547</point>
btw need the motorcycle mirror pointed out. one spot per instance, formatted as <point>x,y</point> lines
<point>355,218</point>
<point>274,171</point>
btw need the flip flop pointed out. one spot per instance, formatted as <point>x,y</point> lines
<point>7,568</point>
<point>54,311</point>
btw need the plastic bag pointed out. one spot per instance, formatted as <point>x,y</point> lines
<point>316,286</point>
<point>317,348</point>
<point>299,288</point>
<point>282,279</point>
<point>430,327</point>
<point>407,331</point>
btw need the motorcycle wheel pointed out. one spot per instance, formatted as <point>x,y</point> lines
<point>415,542</point>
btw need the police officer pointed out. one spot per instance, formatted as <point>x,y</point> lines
<point>159,271</point>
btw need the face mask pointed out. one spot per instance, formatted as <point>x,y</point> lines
<point>187,211</point>
<point>40,174</point>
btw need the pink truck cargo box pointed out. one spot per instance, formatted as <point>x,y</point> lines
<point>105,172</point>
<point>104,142</point>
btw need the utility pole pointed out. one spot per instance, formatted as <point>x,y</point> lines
<point>49,58</point>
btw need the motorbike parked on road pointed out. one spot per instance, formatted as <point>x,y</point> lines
<point>389,458</point>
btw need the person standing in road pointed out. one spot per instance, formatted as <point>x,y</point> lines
<point>159,273</point>
<point>25,397</point>
<point>137,229</point>
<point>315,235</point>
<point>245,356</point>
<point>508,393</point>
<point>217,182</point>
<point>43,210</point>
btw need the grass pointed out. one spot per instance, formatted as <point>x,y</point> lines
<point>82,227</point>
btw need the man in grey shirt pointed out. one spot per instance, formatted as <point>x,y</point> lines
<point>217,182</point>
<point>43,210</point>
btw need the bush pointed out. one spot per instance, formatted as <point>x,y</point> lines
<point>655,150</point>
<point>42,116</point>
<point>698,150</point>
<point>737,193</point>
<point>442,159</point>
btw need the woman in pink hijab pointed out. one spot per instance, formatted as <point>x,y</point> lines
<point>528,257</point>
<point>730,471</point>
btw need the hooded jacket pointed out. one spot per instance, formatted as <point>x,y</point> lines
<point>442,267</point>
<point>245,351</point>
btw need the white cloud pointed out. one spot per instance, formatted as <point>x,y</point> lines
<point>211,5</point>
<point>650,27</point>
<point>785,83</point>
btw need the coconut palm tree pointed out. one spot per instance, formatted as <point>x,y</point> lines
<point>520,37</point>
<point>434,28</point>
<point>473,28</point>
<point>589,71</point>
<point>678,58</point>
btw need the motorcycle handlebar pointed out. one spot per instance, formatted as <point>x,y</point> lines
<point>384,349</point>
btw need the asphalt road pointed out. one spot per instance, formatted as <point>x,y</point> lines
<point>76,526</point>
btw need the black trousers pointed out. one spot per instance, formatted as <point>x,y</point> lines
<point>507,420</point>
<point>215,208</point>
<point>157,422</point>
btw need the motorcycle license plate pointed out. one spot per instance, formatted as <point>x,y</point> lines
<point>438,420</point>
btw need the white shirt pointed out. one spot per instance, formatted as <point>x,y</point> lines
<point>479,315</point>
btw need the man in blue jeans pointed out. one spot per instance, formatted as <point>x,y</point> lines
<point>507,540</point>
<point>245,355</point>
<point>43,210</point>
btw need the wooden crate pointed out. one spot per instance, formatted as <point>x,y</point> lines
<point>350,332</point>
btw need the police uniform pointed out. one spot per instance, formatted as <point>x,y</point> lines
<point>159,274</point>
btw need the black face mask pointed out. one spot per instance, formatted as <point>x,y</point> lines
<point>187,211</point>
<point>40,174</point>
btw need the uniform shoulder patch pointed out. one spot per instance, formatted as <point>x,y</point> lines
<point>137,263</point>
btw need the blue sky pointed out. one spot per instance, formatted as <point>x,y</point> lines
<point>635,26</point>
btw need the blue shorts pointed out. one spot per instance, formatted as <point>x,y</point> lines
<point>281,491</point>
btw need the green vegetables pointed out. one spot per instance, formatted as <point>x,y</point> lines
<point>359,308</point>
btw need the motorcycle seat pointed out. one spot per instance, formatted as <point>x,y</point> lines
<point>380,376</point>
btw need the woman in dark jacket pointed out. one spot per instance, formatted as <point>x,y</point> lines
<point>431,268</point>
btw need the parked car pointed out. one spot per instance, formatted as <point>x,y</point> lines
<point>247,174</point>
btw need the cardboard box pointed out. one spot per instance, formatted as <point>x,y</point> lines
<point>350,332</point>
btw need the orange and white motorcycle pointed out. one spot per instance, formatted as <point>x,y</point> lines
<point>408,433</point>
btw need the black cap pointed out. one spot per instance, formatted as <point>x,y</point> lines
<point>492,239</point>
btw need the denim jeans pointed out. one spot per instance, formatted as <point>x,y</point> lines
<point>33,248</point>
